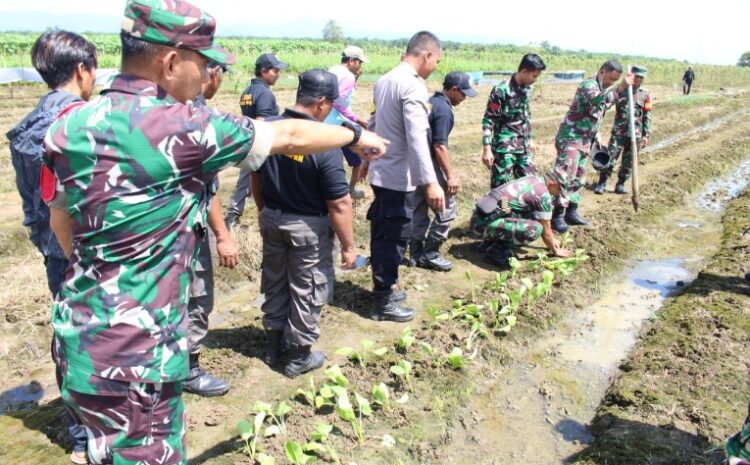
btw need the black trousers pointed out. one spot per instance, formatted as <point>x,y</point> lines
<point>390,218</point>
<point>686,87</point>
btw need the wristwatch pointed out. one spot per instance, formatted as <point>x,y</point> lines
<point>356,129</point>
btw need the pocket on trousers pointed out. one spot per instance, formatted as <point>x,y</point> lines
<point>301,239</point>
<point>320,288</point>
<point>396,223</point>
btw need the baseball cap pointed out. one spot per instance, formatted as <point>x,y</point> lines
<point>638,71</point>
<point>269,60</point>
<point>352,51</point>
<point>318,83</point>
<point>175,23</point>
<point>460,80</point>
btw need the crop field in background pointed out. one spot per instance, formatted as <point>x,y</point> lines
<point>303,54</point>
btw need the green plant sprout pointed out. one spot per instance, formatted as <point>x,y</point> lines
<point>327,395</point>
<point>499,283</point>
<point>346,412</point>
<point>403,370</point>
<point>514,266</point>
<point>278,417</point>
<point>368,349</point>
<point>334,374</point>
<point>405,341</point>
<point>296,454</point>
<point>477,329</point>
<point>249,433</point>
<point>470,278</point>
<point>264,459</point>
<point>427,348</point>
<point>436,315</point>
<point>321,443</point>
<point>381,395</point>
<point>309,396</point>
<point>455,359</point>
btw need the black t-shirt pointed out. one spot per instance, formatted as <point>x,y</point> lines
<point>301,185</point>
<point>441,120</point>
<point>258,100</point>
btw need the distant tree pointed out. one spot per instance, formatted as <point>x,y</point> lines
<point>332,32</point>
<point>744,59</point>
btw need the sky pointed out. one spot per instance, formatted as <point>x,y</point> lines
<point>699,32</point>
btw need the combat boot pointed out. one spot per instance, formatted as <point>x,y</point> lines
<point>620,186</point>
<point>201,383</point>
<point>302,360</point>
<point>558,220</point>
<point>388,307</point>
<point>499,255</point>
<point>276,352</point>
<point>601,186</point>
<point>415,251</point>
<point>572,217</point>
<point>431,259</point>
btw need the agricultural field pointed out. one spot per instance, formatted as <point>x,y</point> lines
<point>467,380</point>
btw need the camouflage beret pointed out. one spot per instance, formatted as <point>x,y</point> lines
<point>175,23</point>
<point>638,71</point>
<point>560,176</point>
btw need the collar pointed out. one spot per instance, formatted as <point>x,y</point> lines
<point>439,94</point>
<point>257,80</point>
<point>410,69</point>
<point>294,114</point>
<point>127,84</point>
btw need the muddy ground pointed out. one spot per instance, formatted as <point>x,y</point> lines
<point>432,426</point>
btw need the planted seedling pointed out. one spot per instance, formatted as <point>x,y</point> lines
<point>514,266</point>
<point>264,459</point>
<point>381,395</point>
<point>477,329</point>
<point>249,433</point>
<point>403,371</point>
<point>456,358</point>
<point>278,417</point>
<point>327,395</point>
<point>334,374</point>
<point>427,348</point>
<point>321,442</point>
<point>308,395</point>
<point>405,341</point>
<point>499,283</point>
<point>296,454</point>
<point>368,349</point>
<point>470,278</point>
<point>346,412</point>
<point>436,315</point>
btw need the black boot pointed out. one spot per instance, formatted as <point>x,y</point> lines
<point>620,186</point>
<point>201,383</point>
<point>431,259</point>
<point>601,186</point>
<point>572,217</point>
<point>498,255</point>
<point>415,251</point>
<point>231,221</point>
<point>388,308</point>
<point>558,220</point>
<point>301,360</point>
<point>276,352</point>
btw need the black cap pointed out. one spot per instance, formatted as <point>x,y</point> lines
<point>460,80</point>
<point>269,60</point>
<point>318,83</point>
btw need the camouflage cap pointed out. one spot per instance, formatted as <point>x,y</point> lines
<point>175,23</point>
<point>638,71</point>
<point>560,176</point>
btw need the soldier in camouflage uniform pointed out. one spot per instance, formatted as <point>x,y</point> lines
<point>517,213</point>
<point>619,141</point>
<point>578,132</point>
<point>127,177</point>
<point>506,130</point>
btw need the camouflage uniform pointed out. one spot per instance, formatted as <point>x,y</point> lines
<point>521,203</point>
<point>506,128</point>
<point>619,142</point>
<point>578,132</point>
<point>133,170</point>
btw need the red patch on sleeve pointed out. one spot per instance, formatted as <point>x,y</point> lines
<point>48,184</point>
<point>647,104</point>
<point>69,108</point>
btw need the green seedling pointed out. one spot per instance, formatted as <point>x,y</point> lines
<point>249,432</point>
<point>403,371</point>
<point>436,315</point>
<point>327,395</point>
<point>381,395</point>
<point>470,278</point>
<point>346,412</point>
<point>334,374</point>
<point>264,459</point>
<point>510,322</point>
<point>455,359</point>
<point>321,443</point>
<point>514,266</point>
<point>296,454</point>
<point>565,239</point>
<point>278,417</point>
<point>477,329</point>
<point>405,341</point>
<point>309,396</point>
<point>368,349</point>
<point>427,348</point>
<point>499,283</point>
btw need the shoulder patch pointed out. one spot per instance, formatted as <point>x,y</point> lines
<point>70,108</point>
<point>246,99</point>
